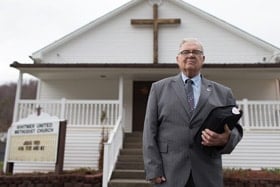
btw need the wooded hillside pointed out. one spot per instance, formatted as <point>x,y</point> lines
<point>7,100</point>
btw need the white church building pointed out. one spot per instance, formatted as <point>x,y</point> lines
<point>99,77</point>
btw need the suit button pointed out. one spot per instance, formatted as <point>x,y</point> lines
<point>190,127</point>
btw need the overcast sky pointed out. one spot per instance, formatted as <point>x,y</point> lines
<point>29,25</point>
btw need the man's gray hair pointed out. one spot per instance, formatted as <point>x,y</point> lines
<point>191,40</point>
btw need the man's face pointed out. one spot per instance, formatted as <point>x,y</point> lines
<point>190,58</point>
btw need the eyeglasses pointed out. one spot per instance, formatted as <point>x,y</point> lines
<point>194,52</point>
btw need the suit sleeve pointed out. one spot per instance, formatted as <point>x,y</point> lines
<point>236,132</point>
<point>151,154</point>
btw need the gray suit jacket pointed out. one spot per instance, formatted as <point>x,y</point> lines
<point>169,130</point>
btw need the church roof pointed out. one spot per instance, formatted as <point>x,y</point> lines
<point>188,7</point>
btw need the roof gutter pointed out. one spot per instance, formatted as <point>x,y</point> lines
<point>18,65</point>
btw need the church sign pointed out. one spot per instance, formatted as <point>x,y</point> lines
<point>34,139</point>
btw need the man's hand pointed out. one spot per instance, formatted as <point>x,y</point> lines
<point>158,180</point>
<point>211,138</point>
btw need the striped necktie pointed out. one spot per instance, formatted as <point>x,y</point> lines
<point>190,94</point>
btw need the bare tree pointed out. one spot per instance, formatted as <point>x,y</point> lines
<point>7,100</point>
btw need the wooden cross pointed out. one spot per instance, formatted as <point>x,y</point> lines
<point>155,22</point>
<point>38,109</point>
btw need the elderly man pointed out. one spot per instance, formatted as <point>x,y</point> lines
<point>176,109</point>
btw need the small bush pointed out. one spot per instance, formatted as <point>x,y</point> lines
<point>252,174</point>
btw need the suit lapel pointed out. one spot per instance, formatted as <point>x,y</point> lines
<point>206,91</point>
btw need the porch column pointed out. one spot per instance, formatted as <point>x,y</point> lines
<point>121,96</point>
<point>278,88</point>
<point>17,97</point>
<point>246,114</point>
<point>38,92</point>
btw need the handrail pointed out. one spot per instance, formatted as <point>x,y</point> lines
<point>114,131</point>
<point>111,151</point>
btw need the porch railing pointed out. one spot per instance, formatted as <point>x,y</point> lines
<point>260,114</point>
<point>256,114</point>
<point>76,112</point>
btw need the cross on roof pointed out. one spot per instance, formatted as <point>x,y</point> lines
<point>155,22</point>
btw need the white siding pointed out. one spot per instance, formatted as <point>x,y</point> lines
<point>82,148</point>
<point>257,149</point>
<point>252,89</point>
<point>79,89</point>
<point>117,41</point>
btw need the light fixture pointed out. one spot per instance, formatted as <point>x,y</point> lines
<point>158,2</point>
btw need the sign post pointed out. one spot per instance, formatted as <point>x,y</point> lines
<point>60,148</point>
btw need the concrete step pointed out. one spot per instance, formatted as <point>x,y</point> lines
<point>133,139</point>
<point>128,174</point>
<point>129,169</point>
<point>134,134</point>
<point>130,165</point>
<point>131,152</point>
<point>137,145</point>
<point>129,183</point>
<point>130,158</point>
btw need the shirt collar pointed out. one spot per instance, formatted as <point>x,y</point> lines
<point>196,79</point>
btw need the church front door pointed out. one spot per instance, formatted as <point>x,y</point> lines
<point>141,90</point>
